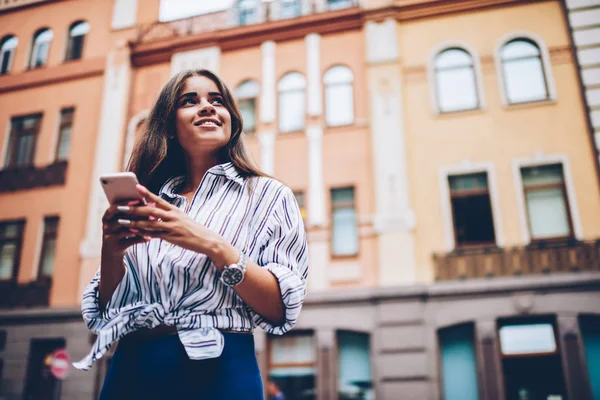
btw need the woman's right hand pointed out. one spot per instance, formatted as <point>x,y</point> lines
<point>116,238</point>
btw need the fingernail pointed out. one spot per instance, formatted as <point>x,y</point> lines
<point>134,230</point>
<point>134,202</point>
<point>153,204</point>
<point>124,221</point>
<point>123,208</point>
<point>141,188</point>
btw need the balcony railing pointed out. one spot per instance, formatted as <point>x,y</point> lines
<point>535,259</point>
<point>10,4</point>
<point>242,14</point>
<point>32,294</point>
<point>20,178</point>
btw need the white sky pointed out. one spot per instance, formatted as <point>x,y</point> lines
<point>176,9</point>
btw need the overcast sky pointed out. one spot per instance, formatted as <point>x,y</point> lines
<point>175,9</point>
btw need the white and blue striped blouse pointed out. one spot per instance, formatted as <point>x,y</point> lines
<point>167,285</point>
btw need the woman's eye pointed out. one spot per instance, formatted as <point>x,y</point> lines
<point>188,101</point>
<point>217,100</point>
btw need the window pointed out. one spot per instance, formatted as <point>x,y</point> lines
<point>339,96</point>
<point>459,365</point>
<point>40,384</point>
<point>301,203</point>
<point>471,209</point>
<point>11,238</point>
<point>23,137</point>
<point>76,40</point>
<point>8,46</point>
<point>345,231</point>
<point>590,332</point>
<point>247,96</point>
<point>40,48</point>
<point>248,12</point>
<point>64,134</point>
<point>339,4</point>
<point>290,8</point>
<point>546,202</point>
<point>456,87</point>
<point>292,365</point>
<point>46,269</point>
<point>354,366</point>
<point>523,70</point>
<point>292,102</point>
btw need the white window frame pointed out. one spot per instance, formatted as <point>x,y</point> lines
<point>465,168</point>
<point>432,78</point>
<point>69,36</point>
<point>255,94</point>
<point>538,160</point>
<point>546,65</point>
<point>327,84</point>
<point>280,90</point>
<point>34,48</point>
<point>12,51</point>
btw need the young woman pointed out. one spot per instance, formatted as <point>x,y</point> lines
<point>218,250</point>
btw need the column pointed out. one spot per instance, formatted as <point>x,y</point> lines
<point>267,152</point>
<point>394,218</point>
<point>489,367</point>
<point>314,91</point>
<point>268,94</point>
<point>117,83</point>
<point>326,364</point>
<point>573,358</point>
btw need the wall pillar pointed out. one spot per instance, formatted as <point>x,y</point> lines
<point>326,364</point>
<point>489,363</point>
<point>573,359</point>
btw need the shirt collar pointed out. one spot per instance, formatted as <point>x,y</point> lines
<point>172,185</point>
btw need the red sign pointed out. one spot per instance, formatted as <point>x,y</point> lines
<point>60,364</point>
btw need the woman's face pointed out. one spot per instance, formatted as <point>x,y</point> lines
<point>203,122</point>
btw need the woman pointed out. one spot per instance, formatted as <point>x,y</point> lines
<point>184,279</point>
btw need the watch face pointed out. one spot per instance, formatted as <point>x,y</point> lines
<point>232,276</point>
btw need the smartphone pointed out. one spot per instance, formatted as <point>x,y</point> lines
<point>120,186</point>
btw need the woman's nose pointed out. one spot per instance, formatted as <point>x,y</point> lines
<point>206,108</point>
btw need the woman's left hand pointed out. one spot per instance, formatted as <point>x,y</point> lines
<point>162,220</point>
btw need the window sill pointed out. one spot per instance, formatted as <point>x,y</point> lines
<point>459,113</point>
<point>343,257</point>
<point>530,104</point>
<point>29,177</point>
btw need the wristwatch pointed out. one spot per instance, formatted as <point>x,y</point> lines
<point>233,274</point>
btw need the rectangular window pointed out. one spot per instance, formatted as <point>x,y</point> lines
<point>40,384</point>
<point>344,224</point>
<point>248,110</point>
<point>471,209</point>
<point>292,365</point>
<point>354,366</point>
<point>300,199</point>
<point>11,238</point>
<point>459,363</point>
<point>47,256</point>
<point>63,146</point>
<point>546,202</point>
<point>23,138</point>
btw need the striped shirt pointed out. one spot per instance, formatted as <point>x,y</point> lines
<point>167,285</point>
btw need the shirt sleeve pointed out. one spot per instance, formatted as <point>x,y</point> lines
<point>124,293</point>
<point>285,255</point>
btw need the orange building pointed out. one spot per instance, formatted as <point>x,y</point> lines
<point>442,153</point>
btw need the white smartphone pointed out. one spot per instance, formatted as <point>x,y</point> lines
<point>120,186</point>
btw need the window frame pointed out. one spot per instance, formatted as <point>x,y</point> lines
<point>545,62</point>
<point>63,124</point>
<point>35,48</point>
<point>47,235</point>
<point>269,353</point>
<point>333,207</point>
<point>286,91</point>
<point>350,84</point>
<point>13,143</point>
<point>11,53</point>
<point>71,41</point>
<point>254,98</point>
<point>19,246</point>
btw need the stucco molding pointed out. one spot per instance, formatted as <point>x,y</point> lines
<point>545,57</point>
<point>468,167</point>
<point>314,105</point>
<point>540,159</point>
<point>130,135</point>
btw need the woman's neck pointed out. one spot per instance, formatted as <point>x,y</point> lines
<point>196,169</point>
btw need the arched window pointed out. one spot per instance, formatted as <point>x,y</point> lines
<point>247,98</point>
<point>40,48</point>
<point>292,102</point>
<point>523,71</point>
<point>76,39</point>
<point>7,52</point>
<point>248,12</point>
<point>456,85</point>
<point>339,96</point>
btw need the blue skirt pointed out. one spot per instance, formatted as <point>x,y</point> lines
<point>159,368</point>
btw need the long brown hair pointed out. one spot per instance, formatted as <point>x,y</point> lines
<point>157,154</point>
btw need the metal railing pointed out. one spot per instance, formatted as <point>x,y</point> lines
<point>32,294</point>
<point>242,14</point>
<point>535,259</point>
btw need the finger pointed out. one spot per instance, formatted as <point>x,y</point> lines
<point>145,212</point>
<point>114,209</point>
<point>151,197</point>
<point>114,227</point>
<point>136,240</point>
<point>144,226</point>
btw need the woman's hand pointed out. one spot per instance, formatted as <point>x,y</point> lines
<point>115,237</point>
<point>162,220</point>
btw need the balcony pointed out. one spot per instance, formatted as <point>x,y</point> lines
<point>245,13</point>
<point>32,294</point>
<point>29,177</point>
<point>535,259</point>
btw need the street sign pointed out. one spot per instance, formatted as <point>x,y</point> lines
<point>60,364</point>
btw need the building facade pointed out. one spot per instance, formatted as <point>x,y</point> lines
<point>443,154</point>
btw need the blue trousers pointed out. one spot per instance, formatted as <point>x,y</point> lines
<point>158,368</point>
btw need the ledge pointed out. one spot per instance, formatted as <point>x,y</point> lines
<point>31,177</point>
